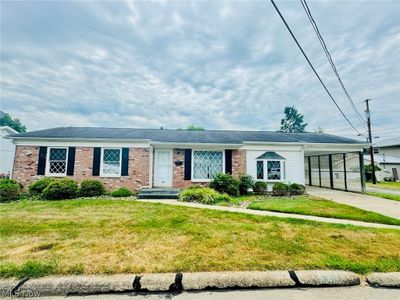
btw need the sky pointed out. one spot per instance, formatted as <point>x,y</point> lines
<point>218,64</point>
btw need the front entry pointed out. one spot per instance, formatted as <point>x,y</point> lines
<point>163,168</point>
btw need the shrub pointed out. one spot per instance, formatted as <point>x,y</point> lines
<point>296,189</point>
<point>199,194</point>
<point>37,187</point>
<point>223,198</point>
<point>246,182</point>
<point>121,192</point>
<point>61,189</point>
<point>225,184</point>
<point>280,189</point>
<point>10,190</point>
<point>91,188</point>
<point>260,187</point>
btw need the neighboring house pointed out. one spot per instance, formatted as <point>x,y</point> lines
<point>389,147</point>
<point>389,165</point>
<point>7,150</point>
<point>146,158</point>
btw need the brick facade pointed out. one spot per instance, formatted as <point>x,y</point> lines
<point>26,164</point>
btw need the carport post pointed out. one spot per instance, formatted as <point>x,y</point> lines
<point>345,172</point>
<point>330,170</point>
<point>319,171</point>
<point>309,171</point>
<point>362,173</point>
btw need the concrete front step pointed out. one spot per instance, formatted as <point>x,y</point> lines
<point>159,193</point>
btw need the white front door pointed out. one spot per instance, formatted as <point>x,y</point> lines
<point>163,168</point>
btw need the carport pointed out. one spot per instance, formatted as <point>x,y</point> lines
<point>335,168</point>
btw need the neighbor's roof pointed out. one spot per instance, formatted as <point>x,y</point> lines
<point>184,136</point>
<point>389,142</point>
<point>384,159</point>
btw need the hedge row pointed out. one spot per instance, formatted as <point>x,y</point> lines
<point>57,189</point>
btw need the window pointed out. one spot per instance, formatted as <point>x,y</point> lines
<point>260,169</point>
<point>110,162</point>
<point>274,170</point>
<point>270,170</point>
<point>207,164</point>
<point>57,161</point>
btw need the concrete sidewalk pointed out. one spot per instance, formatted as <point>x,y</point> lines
<point>383,191</point>
<point>381,206</point>
<point>270,213</point>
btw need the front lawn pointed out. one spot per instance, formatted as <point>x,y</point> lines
<point>385,185</point>
<point>101,236</point>
<point>310,205</point>
<point>385,195</point>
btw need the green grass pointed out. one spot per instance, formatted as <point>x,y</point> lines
<point>103,236</point>
<point>385,185</point>
<point>384,195</point>
<point>310,205</point>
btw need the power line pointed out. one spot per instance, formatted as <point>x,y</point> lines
<point>329,57</point>
<point>312,67</point>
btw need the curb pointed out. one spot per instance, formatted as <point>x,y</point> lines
<point>391,280</point>
<point>178,282</point>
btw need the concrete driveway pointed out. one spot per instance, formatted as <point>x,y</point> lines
<point>382,206</point>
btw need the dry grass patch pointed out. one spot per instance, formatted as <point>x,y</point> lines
<point>118,236</point>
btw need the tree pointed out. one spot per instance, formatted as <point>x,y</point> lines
<point>7,120</point>
<point>293,121</point>
<point>319,130</point>
<point>192,127</point>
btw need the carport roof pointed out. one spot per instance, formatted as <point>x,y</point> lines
<point>183,136</point>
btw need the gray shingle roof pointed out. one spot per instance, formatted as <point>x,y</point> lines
<point>270,155</point>
<point>184,136</point>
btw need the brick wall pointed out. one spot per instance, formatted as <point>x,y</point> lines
<point>238,162</point>
<point>26,161</point>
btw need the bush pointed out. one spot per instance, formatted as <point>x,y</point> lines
<point>203,195</point>
<point>37,187</point>
<point>121,192</point>
<point>296,189</point>
<point>61,189</point>
<point>91,188</point>
<point>280,189</point>
<point>223,198</point>
<point>260,188</point>
<point>225,184</point>
<point>10,190</point>
<point>246,182</point>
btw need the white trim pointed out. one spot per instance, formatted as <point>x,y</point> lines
<point>192,164</point>
<point>151,167</point>
<point>101,162</point>
<point>47,169</point>
<point>170,179</point>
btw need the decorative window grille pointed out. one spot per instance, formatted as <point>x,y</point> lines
<point>274,169</point>
<point>260,169</point>
<point>57,161</point>
<point>111,162</point>
<point>207,164</point>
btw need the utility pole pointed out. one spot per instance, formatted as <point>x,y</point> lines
<point>371,148</point>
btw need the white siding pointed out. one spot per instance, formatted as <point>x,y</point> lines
<point>294,164</point>
<point>7,150</point>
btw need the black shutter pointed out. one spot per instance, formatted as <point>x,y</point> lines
<point>42,161</point>
<point>96,161</point>
<point>125,161</point>
<point>228,161</point>
<point>188,164</point>
<point>71,161</point>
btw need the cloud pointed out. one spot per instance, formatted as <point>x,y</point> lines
<point>226,65</point>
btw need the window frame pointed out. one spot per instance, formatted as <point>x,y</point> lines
<point>265,170</point>
<point>192,164</point>
<point>102,162</point>
<point>48,162</point>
